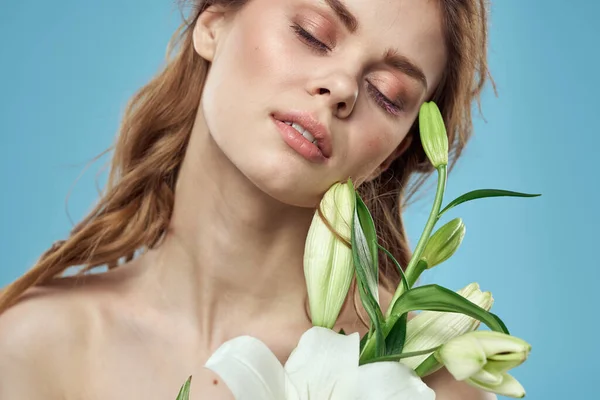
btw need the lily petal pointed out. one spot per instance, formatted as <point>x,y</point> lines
<point>328,265</point>
<point>503,347</point>
<point>463,358</point>
<point>487,377</point>
<point>251,371</point>
<point>509,387</point>
<point>388,380</point>
<point>325,364</point>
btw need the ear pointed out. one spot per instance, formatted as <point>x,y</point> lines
<point>401,149</point>
<point>207,29</point>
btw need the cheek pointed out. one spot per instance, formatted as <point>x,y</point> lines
<point>374,150</point>
<point>254,65</point>
<point>254,56</point>
<point>238,79</point>
<point>240,62</point>
<point>369,153</point>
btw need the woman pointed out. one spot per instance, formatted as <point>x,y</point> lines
<point>220,162</point>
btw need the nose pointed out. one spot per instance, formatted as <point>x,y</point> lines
<point>340,90</point>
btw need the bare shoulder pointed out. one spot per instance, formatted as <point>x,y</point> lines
<point>447,388</point>
<point>39,338</point>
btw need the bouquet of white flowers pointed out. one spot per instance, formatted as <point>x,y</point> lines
<point>390,360</point>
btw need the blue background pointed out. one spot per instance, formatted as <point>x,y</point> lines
<point>68,68</point>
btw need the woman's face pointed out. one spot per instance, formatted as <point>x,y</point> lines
<point>353,73</point>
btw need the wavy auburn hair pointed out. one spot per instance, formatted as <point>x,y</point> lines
<point>135,208</point>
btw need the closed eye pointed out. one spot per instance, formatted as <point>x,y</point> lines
<point>309,39</point>
<point>321,48</point>
<point>385,103</point>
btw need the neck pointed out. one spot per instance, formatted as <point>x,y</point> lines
<point>232,256</point>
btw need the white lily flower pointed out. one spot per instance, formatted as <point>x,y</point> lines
<point>430,329</point>
<point>323,366</point>
<point>328,265</point>
<point>482,359</point>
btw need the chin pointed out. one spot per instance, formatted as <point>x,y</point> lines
<point>271,166</point>
<point>287,180</point>
<point>294,197</point>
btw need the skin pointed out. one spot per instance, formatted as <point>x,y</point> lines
<point>140,330</point>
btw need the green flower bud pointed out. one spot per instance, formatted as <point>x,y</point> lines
<point>433,134</point>
<point>328,263</point>
<point>444,243</point>
<point>482,359</point>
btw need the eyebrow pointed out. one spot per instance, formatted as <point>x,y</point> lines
<point>404,65</point>
<point>391,57</point>
<point>340,9</point>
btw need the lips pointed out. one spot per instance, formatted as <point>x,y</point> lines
<point>312,125</point>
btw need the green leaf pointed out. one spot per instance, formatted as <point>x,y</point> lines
<point>366,337</point>
<point>361,249</point>
<point>341,332</point>
<point>398,266</point>
<point>184,393</point>
<point>368,227</point>
<point>367,284</point>
<point>400,356</point>
<point>481,194</point>
<point>394,342</point>
<point>437,298</point>
<point>376,317</point>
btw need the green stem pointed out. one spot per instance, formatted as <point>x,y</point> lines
<point>429,366</point>
<point>411,269</point>
<point>397,357</point>
<point>368,352</point>
<point>416,273</point>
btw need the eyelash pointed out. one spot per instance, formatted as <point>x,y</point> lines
<point>321,48</point>
<point>315,43</point>
<point>384,102</point>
